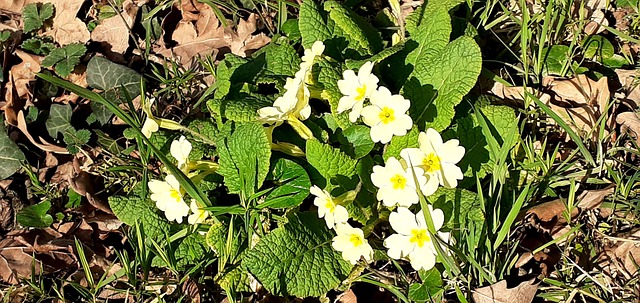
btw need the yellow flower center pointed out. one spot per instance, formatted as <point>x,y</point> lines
<point>386,115</point>
<point>419,237</point>
<point>175,195</point>
<point>362,90</point>
<point>356,240</point>
<point>398,181</point>
<point>431,163</point>
<point>330,205</point>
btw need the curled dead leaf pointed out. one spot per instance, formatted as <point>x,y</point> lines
<point>500,293</point>
<point>623,255</point>
<point>44,145</point>
<point>630,124</point>
<point>113,32</point>
<point>243,42</point>
<point>18,94</point>
<point>630,81</point>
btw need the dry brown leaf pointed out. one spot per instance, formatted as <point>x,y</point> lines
<point>630,124</point>
<point>499,293</point>
<point>244,43</point>
<point>550,214</point>
<point>594,10</point>
<point>14,6</point>
<point>516,93</point>
<point>67,28</point>
<point>44,145</point>
<point>630,81</point>
<point>347,297</point>
<point>18,94</point>
<point>114,31</point>
<point>191,290</point>
<point>628,253</point>
<point>205,37</point>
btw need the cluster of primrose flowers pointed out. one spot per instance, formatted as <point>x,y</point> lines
<point>433,163</point>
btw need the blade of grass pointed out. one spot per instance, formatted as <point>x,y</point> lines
<point>511,217</point>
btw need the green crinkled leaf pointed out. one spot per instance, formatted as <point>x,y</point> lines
<point>10,154</point>
<point>399,143</point>
<point>291,185</point>
<point>37,46</point>
<point>59,120</point>
<point>431,37</point>
<point>461,208</point>
<point>191,250</point>
<point>452,74</point>
<point>416,19</point>
<point>297,259</point>
<point>377,58</point>
<point>357,141</point>
<point>334,166</point>
<point>64,59</point>
<point>233,71</point>
<point>111,78</point>
<point>280,59</point>
<point>35,215</point>
<point>132,210</point>
<point>244,157</point>
<point>204,127</point>
<point>239,110</point>
<point>330,73</point>
<point>362,36</point>
<point>555,59</point>
<point>312,24</point>
<point>430,287</point>
<point>34,16</point>
<point>363,207</point>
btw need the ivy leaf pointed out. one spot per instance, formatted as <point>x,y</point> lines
<point>34,16</point>
<point>65,59</point>
<point>111,78</point>
<point>132,210</point>
<point>75,139</point>
<point>244,157</point>
<point>10,154</point>
<point>452,73</point>
<point>312,24</point>
<point>297,259</point>
<point>335,166</point>
<point>35,215</point>
<point>59,120</point>
<point>292,185</point>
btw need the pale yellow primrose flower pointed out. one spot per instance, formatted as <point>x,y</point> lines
<point>180,150</point>
<point>293,104</point>
<point>413,241</point>
<point>168,198</point>
<point>396,183</point>
<point>387,115</point>
<point>356,89</point>
<point>198,215</point>
<point>328,209</point>
<point>310,55</point>
<point>351,243</point>
<point>437,159</point>
<point>150,124</point>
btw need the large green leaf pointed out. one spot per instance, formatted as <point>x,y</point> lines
<point>297,259</point>
<point>328,77</point>
<point>112,77</point>
<point>10,154</point>
<point>64,59</point>
<point>244,157</point>
<point>291,182</point>
<point>334,165</point>
<point>357,141</point>
<point>35,215</point>
<point>132,210</point>
<point>239,110</point>
<point>451,73</point>
<point>431,37</point>
<point>430,287</point>
<point>398,143</point>
<point>312,24</point>
<point>362,36</point>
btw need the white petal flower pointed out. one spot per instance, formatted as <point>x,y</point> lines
<point>294,102</point>
<point>351,242</point>
<point>168,198</point>
<point>150,126</point>
<point>198,215</point>
<point>328,209</point>
<point>396,183</point>
<point>310,54</point>
<point>356,89</point>
<point>387,115</point>
<point>180,150</point>
<point>412,240</point>
<point>437,159</point>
